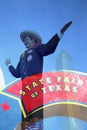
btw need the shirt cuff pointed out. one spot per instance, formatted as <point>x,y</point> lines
<point>9,65</point>
<point>59,34</point>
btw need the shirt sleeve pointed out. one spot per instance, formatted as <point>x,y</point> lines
<point>49,47</point>
<point>15,72</point>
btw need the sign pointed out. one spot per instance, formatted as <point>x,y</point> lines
<point>44,91</point>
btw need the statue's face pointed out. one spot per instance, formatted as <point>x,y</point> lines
<point>29,42</point>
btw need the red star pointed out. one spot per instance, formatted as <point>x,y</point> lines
<point>5,106</point>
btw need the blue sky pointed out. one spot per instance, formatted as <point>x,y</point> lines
<point>46,17</point>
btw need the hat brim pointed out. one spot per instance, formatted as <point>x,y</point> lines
<point>32,34</point>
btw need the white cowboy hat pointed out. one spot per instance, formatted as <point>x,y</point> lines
<point>32,34</point>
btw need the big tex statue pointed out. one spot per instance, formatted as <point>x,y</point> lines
<point>31,61</point>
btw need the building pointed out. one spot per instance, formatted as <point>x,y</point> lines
<point>2,81</point>
<point>64,61</point>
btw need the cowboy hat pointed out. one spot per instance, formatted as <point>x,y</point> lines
<point>32,34</point>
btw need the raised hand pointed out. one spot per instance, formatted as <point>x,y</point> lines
<point>7,62</point>
<point>65,27</point>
